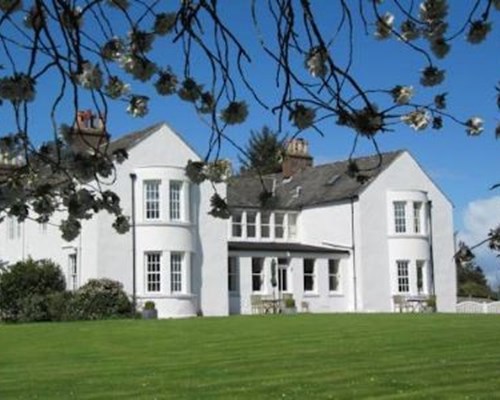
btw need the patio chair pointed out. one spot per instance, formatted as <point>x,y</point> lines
<point>304,306</point>
<point>257,304</point>
<point>400,304</point>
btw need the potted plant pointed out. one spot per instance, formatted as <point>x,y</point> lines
<point>290,307</point>
<point>431,304</point>
<point>149,310</point>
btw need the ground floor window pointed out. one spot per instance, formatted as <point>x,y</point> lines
<point>309,276</point>
<point>283,274</point>
<point>257,273</point>
<point>73,271</point>
<point>153,272</point>
<point>403,276</point>
<point>333,275</point>
<point>232,274</point>
<point>176,261</point>
<point>421,276</point>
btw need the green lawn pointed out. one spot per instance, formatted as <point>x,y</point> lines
<point>259,357</point>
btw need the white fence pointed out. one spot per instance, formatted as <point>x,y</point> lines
<point>475,307</point>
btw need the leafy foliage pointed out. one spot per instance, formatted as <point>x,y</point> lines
<point>103,51</point>
<point>471,281</point>
<point>264,152</point>
<point>25,288</point>
<point>100,299</point>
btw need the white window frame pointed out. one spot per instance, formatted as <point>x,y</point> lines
<point>399,216</point>
<point>267,225</point>
<point>252,225</point>
<point>292,227</point>
<point>177,272</point>
<point>73,271</point>
<point>152,204</point>
<point>153,269</point>
<point>334,273</point>
<point>417,217</point>
<point>421,265</point>
<point>237,224</point>
<point>279,227</point>
<point>403,276</point>
<point>14,228</point>
<point>284,272</point>
<point>310,275</point>
<point>175,192</point>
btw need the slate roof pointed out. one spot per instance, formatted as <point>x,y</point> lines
<point>282,246</point>
<point>129,140</point>
<point>317,185</point>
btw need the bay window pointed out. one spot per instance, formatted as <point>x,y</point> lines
<point>152,200</point>
<point>399,216</point>
<point>176,272</point>
<point>175,200</point>
<point>153,272</point>
<point>403,276</point>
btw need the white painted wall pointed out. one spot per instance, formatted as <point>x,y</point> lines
<point>379,248</point>
<point>103,253</point>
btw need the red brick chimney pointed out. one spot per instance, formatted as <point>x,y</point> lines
<point>296,157</point>
<point>90,132</point>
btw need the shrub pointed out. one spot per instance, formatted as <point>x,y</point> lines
<point>99,299</point>
<point>59,306</point>
<point>24,288</point>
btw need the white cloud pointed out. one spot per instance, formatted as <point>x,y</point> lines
<point>478,218</point>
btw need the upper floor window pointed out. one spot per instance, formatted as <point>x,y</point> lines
<point>292,226</point>
<point>333,275</point>
<point>175,200</point>
<point>403,276</point>
<point>251,224</point>
<point>399,217</point>
<point>152,199</point>
<point>265,224</point>
<point>309,275</point>
<point>417,217</point>
<point>279,225</point>
<point>237,222</point>
<point>153,272</point>
<point>176,271</point>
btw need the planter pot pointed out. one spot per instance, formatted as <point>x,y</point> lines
<point>150,314</point>
<point>290,310</point>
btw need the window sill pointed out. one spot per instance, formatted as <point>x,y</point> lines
<point>310,294</point>
<point>408,236</point>
<point>259,239</point>
<point>168,296</point>
<point>183,224</point>
<point>336,294</point>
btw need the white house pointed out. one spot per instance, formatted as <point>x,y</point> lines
<point>342,244</point>
<point>332,242</point>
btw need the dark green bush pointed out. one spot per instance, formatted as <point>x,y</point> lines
<point>59,306</point>
<point>100,299</point>
<point>24,288</point>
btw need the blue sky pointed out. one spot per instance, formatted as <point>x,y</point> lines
<point>464,167</point>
